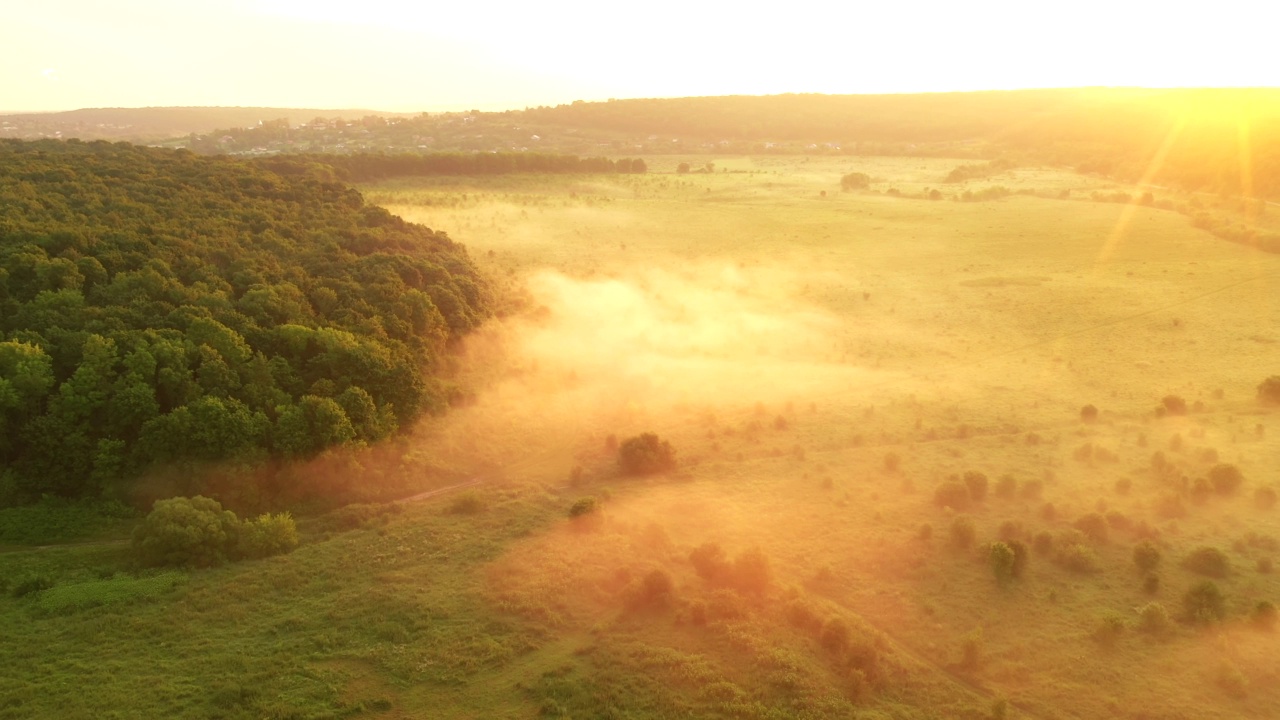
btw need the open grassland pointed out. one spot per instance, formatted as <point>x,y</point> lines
<point>823,364</point>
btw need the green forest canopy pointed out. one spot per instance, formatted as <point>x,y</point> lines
<point>163,309</point>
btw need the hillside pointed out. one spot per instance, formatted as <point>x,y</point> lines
<point>164,312</point>
<point>1212,140</point>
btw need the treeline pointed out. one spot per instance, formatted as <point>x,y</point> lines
<point>161,310</point>
<point>365,167</point>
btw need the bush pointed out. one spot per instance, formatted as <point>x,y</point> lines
<point>583,507</point>
<point>1020,557</point>
<point>1146,556</point>
<point>892,462</point>
<point>1109,630</point>
<point>467,503</point>
<point>267,535</point>
<point>977,484</point>
<point>1094,527</point>
<point>1153,619</point>
<point>709,562</point>
<point>654,591</point>
<point>953,494</point>
<point>1225,478</point>
<point>186,531</point>
<point>1174,405</point>
<point>646,455</point>
<point>1204,603</point>
<point>855,181</point>
<point>1208,561</point>
<point>1077,558</point>
<point>31,585</point>
<point>1089,414</point>
<point>1269,390</point>
<point>1001,558</point>
<point>963,532</point>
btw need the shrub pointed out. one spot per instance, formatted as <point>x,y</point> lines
<point>1089,414</point>
<point>1001,558</point>
<point>1109,630</point>
<point>855,181</point>
<point>1153,619</point>
<point>1146,556</point>
<point>31,585</point>
<point>583,507</point>
<point>654,591</point>
<point>1269,390</point>
<point>963,532</point>
<point>1264,498</point>
<point>186,531</point>
<point>646,454</point>
<point>1006,487</point>
<point>709,561</point>
<point>267,535</point>
<point>1020,557</point>
<point>1094,527</point>
<point>892,462</point>
<point>1264,615</point>
<point>977,484</point>
<point>953,494</point>
<point>467,503</point>
<point>1208,561</point>
<point>1204,603</point>
<point>1077,558</point>
<point>1174,405</point>
<point>1225,478</point>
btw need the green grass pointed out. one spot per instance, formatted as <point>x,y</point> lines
<point>957,336</point>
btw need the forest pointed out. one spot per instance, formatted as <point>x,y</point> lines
<point>164,311</point>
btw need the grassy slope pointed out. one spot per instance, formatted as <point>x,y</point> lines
<point>984,322</point>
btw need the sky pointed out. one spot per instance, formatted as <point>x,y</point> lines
<point>402,56</point>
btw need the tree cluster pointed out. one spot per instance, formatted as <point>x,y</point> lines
<point>158,308</point>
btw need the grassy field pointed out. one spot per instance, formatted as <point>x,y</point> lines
<point>822,362</point>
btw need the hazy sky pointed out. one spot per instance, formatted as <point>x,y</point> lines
<point>426,55</point>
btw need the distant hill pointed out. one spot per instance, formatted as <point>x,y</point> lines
<point>155,123</point>
<point>1221,140</point>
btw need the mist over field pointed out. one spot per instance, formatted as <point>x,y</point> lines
<point>397,417</point>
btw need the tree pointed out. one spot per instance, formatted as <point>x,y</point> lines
<point>646,454</point>
<point>1001,558</point>
<point>186,531</point>
<point>1269,390</point>
<point>1204,603</point>
<point>1146,556</point>
<point>855,181</point>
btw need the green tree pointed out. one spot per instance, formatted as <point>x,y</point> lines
<point>646,454</point>
<point>186,532</point>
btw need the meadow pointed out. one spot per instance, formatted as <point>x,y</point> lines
<point>865,390</point>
